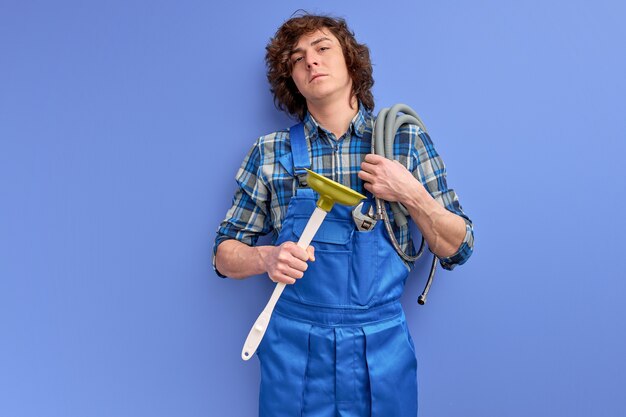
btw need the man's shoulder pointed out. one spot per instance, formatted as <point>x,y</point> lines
<point>273,138</point>
<point>272,146</point>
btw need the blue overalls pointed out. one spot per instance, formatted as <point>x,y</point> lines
<point>337,343</point>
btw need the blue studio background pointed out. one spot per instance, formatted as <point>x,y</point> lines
<point>123,123</point>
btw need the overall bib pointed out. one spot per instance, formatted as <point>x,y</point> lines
<point>337,343</point>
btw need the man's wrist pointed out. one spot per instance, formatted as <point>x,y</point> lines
<point>418,199</point>
<point>261,255</point>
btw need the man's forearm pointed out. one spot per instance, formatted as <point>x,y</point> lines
<point>238,260</point>
<point>443,230</point>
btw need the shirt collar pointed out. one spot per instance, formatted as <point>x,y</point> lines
<point>357,126</point>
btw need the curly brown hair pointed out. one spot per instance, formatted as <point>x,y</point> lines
<point>279,66</point>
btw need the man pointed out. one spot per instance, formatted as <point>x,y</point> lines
<point>337,343</point>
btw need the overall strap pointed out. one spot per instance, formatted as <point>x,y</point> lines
<point>300,153</point>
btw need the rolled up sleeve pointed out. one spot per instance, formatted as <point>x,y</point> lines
<point>430,169</point>
<point>248,217</point>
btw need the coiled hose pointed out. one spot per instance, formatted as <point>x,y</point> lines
<point>386,125</point>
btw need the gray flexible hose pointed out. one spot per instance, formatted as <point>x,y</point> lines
<point>386,125</point>
<point>392,121</point>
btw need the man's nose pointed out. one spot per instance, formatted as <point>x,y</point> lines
<point>311,61</point>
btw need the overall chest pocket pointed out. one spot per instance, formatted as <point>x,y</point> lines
<point>326,282</point>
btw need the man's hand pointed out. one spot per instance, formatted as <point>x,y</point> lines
<point>390,180</point>
<point>287,262</point>
<point>387,179</point>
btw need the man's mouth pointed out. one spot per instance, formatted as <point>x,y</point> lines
<point>316,76</point>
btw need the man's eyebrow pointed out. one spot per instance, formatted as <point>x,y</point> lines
<point>315,42</point>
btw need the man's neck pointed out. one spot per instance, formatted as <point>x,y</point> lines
<point>335,117</point>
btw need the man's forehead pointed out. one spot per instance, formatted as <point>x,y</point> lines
<point>319,35</point>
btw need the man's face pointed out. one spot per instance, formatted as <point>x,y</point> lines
<point>319,68</point>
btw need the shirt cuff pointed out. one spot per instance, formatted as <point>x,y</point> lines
<point>465,250</point>
<point>218,240</point>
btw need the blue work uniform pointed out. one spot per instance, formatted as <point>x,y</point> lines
<point>338,343</point>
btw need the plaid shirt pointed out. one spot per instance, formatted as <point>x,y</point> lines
<point>266,186</point>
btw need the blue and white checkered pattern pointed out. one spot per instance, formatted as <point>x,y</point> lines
<point>265,183</point>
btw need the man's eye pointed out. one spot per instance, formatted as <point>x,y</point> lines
<point>323,48</point>
<point>298,59</point>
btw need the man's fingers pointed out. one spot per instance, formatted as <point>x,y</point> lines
<point>283,278</point>
<point>297,265</point>
<point>292,272</point>
<point>296,251</point>
<point>366,176</point>
<point>372,158</point>
<point>293,256</point>
<point>287,274</point>
<point>289,262</point>
<point>368,167</point>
